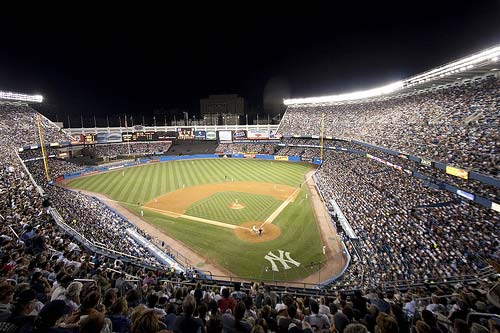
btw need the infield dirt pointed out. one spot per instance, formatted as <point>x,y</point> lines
<point>178,201</point>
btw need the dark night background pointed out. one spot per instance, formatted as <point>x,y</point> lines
<point>96,61</point>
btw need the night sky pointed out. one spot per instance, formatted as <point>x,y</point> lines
<point>135,60</point>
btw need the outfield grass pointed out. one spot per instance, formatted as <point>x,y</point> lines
<point>143,183</point>
<point>299,233</point>
<point>215,207</point>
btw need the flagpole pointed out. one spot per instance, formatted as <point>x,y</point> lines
<point>126,128</point>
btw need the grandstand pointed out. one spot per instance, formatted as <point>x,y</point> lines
<point>409,173</point>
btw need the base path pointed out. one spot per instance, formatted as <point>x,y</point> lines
<point>178,201</point>
<point>247,234</point>
<point>194,218</point>
<point>194,258</point>
<point>281,207</point>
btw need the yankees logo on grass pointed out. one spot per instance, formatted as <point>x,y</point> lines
<point>281,258</point>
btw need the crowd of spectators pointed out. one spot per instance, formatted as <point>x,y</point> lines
<point>437,176</point>
<point>49,282</point>
<point>244,148</point>
<point>407,231</point>
<point>304,153</point>
<point>456,125</point>
<point>132,148</point>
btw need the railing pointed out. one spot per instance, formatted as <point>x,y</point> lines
<point>121,129</point>
<point>278,288</point>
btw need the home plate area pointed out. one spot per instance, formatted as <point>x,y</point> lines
<point>247,233</point>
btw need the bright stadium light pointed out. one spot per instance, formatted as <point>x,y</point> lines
<point>456,66</point>
<point>13,96</point>
<point>376,92</point>
<point>478,59</point>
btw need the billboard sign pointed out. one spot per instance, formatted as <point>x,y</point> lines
<point>258,134</point>
<point>211,135</point>
<point>225,136</point>
<point>239,135</point>
<point>186,134</point>
<point>466,195</point>
<point>108,137</point>
<point>200,135</point>
<point>426,162</point>
<point>90,138</point>
<point>457,172</point>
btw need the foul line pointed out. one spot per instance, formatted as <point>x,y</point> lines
<point>194,218</point>
<point>285,203</point>
<point>270,219</point>
<point>281,207</point>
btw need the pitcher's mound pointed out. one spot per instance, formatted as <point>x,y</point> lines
<point>235,205</point>
<point>269,232</point>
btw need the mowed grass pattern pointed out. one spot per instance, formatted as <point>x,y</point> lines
<point>299,232</point>
<point>299,236</point>
<point>215,207</point>
<point>144,183</point>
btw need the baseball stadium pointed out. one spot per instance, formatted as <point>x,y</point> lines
<point>389,191</point>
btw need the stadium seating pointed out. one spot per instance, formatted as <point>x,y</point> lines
<point>134,148</point>
<point>255,148</point>
<point>191,147</point>
<point>406,232</point>
<point>456,125</point>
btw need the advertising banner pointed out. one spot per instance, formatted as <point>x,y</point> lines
<point>258,141</point>
<point>425,162</point>
<point>108,137</point>
<point>225,136</point>
<point>466,195</point>
<point>280,158</point>
<point>90,139</point>
<point>200,135</point>
<point>185,134</point>
<point>102,137</point>
<point>257,134</point>
<point>457,172</point>
<point>239,135</point>
<point>79,139</point>
<point>211,135</point>
<point>114,137</point>
<point>249,155</point>
<point>378,159</point>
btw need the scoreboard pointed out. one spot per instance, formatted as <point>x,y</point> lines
<point>138,136</point>
<point>147,136</point>
<point>89,139</point>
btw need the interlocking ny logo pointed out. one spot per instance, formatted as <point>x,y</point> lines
<point>272,257</point>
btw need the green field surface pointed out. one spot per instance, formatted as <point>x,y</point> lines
<point>299,233</point>
<point>215,207</point>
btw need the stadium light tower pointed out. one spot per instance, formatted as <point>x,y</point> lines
<point>42,146</point>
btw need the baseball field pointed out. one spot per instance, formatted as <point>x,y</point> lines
<point>216,207</point>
